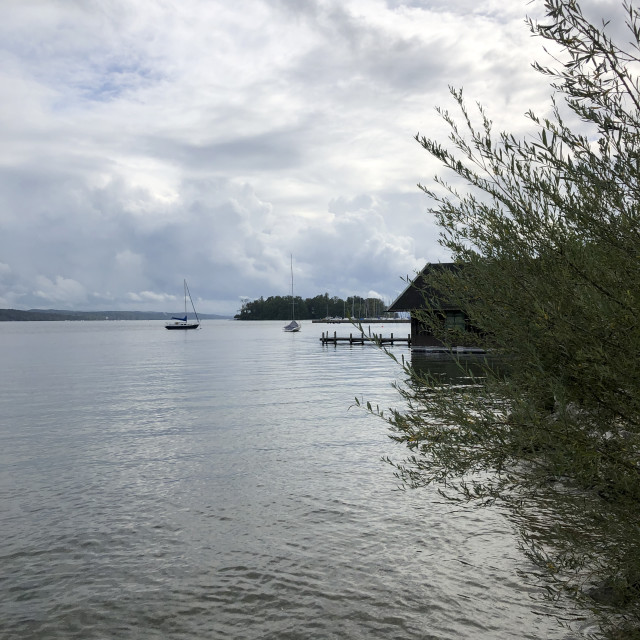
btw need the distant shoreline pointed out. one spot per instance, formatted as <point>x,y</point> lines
<point>40,315</point>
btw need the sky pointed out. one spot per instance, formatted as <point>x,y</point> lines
<point>148,141</point>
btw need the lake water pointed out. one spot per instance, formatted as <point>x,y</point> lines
<point>216,484</point>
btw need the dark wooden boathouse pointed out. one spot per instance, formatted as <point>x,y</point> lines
<point>416,296</point>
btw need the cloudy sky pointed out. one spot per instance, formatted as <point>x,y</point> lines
<point>147,141</point>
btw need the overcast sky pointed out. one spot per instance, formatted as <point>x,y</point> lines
<point>147,141</point>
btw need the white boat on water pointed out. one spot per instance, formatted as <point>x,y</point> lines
<point>183,322</point>
<point>293,326</point>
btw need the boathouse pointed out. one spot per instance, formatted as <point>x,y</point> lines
<point>416,296</point>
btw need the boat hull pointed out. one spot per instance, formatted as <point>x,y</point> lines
<point>182,326</point>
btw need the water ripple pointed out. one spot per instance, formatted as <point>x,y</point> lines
<point>217,485</point>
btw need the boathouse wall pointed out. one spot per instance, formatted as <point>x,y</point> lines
<point>412,299</point>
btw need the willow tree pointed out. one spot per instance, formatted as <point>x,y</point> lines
<point>546,232</point>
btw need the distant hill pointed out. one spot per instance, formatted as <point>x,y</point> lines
<point>61,314</point>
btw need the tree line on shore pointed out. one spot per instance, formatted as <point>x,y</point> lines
<point>321,306</point>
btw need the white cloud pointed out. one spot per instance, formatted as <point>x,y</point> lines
<point>150,296</point>
<point>59,290</point>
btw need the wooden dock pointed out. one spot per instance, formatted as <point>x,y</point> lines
<point>361,320</point>
<point>362,339</point>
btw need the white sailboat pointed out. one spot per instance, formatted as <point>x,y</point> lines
<point>183,322</point>
<point>293,326</point>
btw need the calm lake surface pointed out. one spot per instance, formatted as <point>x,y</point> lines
<point>216,484</point>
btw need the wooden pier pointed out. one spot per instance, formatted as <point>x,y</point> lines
<point>361,320</point>
<point>362,339</point>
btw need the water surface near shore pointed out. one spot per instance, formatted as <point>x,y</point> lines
<point>217,484</point>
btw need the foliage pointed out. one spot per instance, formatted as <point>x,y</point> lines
<point>547,236</point>
<point>321,306</point>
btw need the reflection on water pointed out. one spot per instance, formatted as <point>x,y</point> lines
<point>458,370</point>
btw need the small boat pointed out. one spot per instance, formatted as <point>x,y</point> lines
<point>182,322</point>
<point>293,326</point>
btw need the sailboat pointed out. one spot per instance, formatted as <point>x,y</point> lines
<point>183,322</point>
<point>293,326</point>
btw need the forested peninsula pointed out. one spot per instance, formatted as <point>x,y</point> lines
<point>321,306</point>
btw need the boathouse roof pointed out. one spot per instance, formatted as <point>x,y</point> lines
<point>413,297</point>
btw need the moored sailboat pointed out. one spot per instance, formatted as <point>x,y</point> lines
<point>183,322</point>
<point>293,326</point>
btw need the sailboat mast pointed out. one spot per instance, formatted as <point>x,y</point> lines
<point>187,292</point>
<point>185,298</point>
<point>293,304</point>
